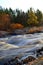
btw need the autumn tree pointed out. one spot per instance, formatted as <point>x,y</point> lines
<point>5,20</point>
<point>32,18</point>
<point>1,27</point>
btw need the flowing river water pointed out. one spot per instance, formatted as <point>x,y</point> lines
<point>20,45</point>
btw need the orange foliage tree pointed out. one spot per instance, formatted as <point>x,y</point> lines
<point>1,27</point>
<point>5,20</point>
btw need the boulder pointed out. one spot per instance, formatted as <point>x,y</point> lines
<point>29,59</point>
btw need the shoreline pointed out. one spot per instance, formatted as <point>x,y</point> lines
<point>23,31</point>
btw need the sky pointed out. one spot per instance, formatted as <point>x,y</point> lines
<point>22,4</point>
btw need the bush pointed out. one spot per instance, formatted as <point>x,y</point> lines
<point>16,26</point>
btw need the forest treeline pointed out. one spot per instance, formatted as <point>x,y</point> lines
<point>17,19</point>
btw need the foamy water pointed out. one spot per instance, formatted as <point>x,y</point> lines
<point>23,45</point>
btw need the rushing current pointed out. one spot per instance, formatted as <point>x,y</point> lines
<point>20,45</point>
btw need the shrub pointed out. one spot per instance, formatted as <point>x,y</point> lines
<point>16,26</point>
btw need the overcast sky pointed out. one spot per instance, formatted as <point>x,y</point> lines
<point>22,4</point>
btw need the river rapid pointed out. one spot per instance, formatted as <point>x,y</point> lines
<point>20,45</point>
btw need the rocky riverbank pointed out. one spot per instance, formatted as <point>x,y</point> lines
<point>38,61</point>
<point>30,60</point>
<point>27,30</point>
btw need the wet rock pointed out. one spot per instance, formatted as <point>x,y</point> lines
<point>29,59</point>
<point>14,61</point>
<point>3,34</point>
<point>5,64</point>
<point>39,52</point>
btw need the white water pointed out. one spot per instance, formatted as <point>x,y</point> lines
<point>22,45</point>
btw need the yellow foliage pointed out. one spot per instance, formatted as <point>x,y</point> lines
<point>32,20</point>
